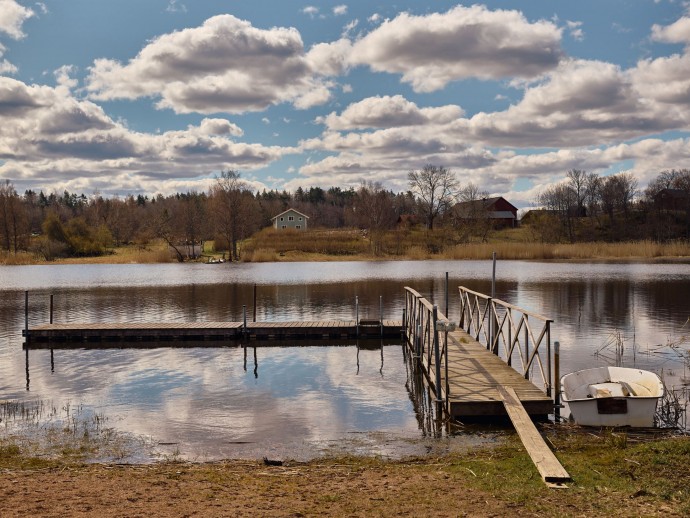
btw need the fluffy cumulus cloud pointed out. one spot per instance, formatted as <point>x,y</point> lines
<point>388,111</point>
<point>47,133</point>
<point>677,32</point>
<point>225,65</point>
<point>12,17</point>
<point>432,50</point>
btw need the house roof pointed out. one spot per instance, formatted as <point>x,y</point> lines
<point>289,210</point>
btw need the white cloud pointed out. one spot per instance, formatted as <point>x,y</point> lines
<point>5,66</point>
<point>677,32</point>
<point>388,112</point>
<point>225,65</point>
<point>340,10</point>
<point>575,29</point>
<point>48,134</point>
<point>580,103</point>
<point>374,18</point>
<point>175,6</point>
<point>330,59</point>
<point>12,17</point>
<point>430,51</point>
<point>311,10</point>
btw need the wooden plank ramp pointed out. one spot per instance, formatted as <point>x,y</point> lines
<point>473,375</point>
<point>550,469</point>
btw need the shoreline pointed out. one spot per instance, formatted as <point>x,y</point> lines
<point>613,471</point>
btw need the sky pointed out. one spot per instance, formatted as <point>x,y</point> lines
<point>159,96</point>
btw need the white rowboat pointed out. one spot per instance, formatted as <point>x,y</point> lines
<point>612,396</point>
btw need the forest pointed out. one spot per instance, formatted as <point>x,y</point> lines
<point>583,207</point>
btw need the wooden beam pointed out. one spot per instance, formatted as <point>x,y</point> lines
<point>546,462</point>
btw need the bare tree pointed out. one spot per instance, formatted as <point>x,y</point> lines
<point>374,209</point>
<point>561,200</point>
<point>436,189</point>
<point>13,219</point>
<point>577,178</point>
<point>233,207</point>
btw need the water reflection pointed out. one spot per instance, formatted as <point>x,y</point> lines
<point>200,397</point>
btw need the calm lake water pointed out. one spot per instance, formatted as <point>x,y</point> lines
<point>301,402</point>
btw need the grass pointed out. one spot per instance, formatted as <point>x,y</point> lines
<point>270,245</point>
<point>614,472</point>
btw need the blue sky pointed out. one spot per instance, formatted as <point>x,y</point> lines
<point>150,97</point>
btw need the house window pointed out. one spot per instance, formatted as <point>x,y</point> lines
<point>291,218</point>
<point>300,218</point>
<point>298,226</point>
<point>284,226</point>
<point>281,219</point>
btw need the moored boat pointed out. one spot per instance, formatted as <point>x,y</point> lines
<point>612,396</point>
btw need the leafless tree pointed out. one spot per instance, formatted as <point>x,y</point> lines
<point>374,209</point>
<point>436,188</point>
<point>13,219</point>
<point>234,209</point>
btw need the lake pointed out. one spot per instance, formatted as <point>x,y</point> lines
<point>301,402</point>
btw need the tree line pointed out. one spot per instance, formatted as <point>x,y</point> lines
<point>589,207</point>
<point>584,207</point>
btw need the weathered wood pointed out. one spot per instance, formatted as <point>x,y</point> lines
<point>473,373</point>
<point>199,331</point>
<point>546,462</point>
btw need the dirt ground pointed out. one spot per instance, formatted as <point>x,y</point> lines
<point>239,488</point>
<point>243,488</point>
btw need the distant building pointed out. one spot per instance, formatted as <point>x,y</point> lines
<point>498,210</point>
<point>673,199</point>
<point>290,219</point>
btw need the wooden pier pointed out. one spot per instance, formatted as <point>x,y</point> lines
<point>470,379</point>
<point>98,334</point>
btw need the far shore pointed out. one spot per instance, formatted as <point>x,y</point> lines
<point>629,252</point>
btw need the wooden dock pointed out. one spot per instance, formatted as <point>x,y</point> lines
<point>94,334</point>
<point>474,375</point>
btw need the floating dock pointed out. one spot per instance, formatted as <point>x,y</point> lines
<point>94,334</point>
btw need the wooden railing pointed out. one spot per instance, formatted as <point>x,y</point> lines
<point>512,333</point>
<point>423,324</point>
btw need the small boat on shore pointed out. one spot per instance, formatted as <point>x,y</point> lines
<point>612,396</point>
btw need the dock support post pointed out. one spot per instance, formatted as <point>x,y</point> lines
<point>26,316</point>
<point>437,358</point>
<point>244,318</point>
<point>357,315</point>
<point>557,381</point>
<point>51,308</point>
<point>381,314</point>
<point>446,313</point>
<point>254,313</point>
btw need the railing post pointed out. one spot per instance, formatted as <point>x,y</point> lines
<point>437,358</point>
<point>548,358</point>
<point>51,308</point>
<point>509,352</point>
<point>244,318</point>
<point>557,380</point>
<point>418,341</point>
<point>526,317</point>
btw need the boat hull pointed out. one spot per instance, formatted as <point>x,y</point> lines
<point>612,396</point>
